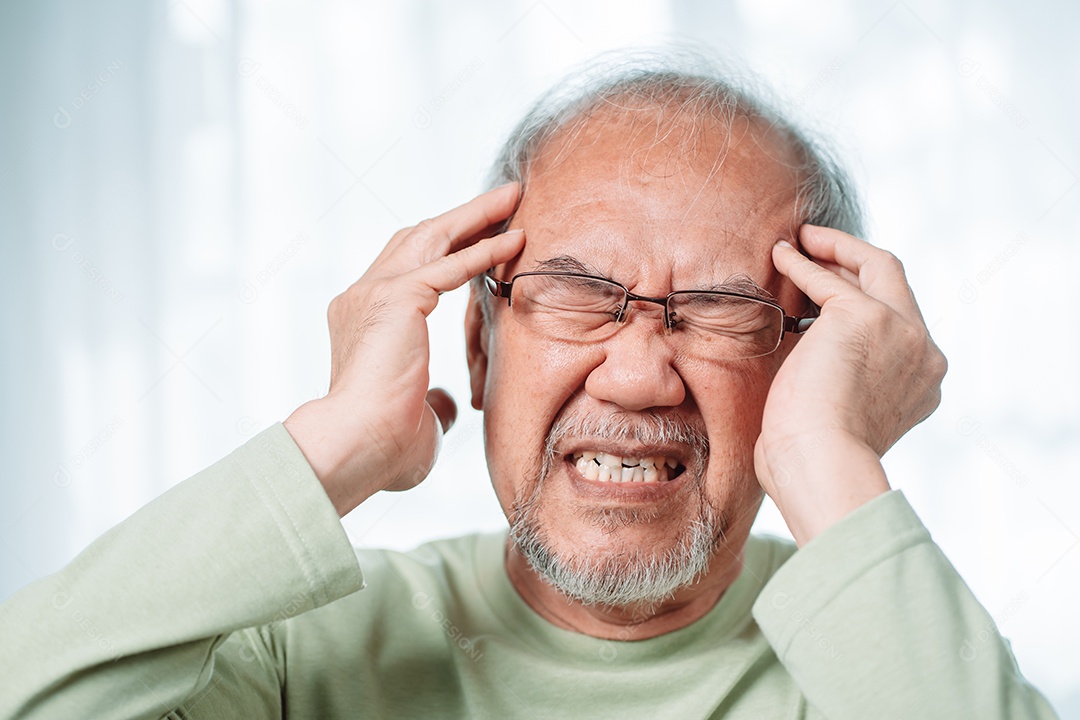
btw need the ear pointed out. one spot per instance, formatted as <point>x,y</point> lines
<point>476,347</point>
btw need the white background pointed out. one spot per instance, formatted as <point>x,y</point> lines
<point>184,186</point>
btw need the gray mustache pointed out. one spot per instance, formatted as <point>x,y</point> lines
<point>645,428</point>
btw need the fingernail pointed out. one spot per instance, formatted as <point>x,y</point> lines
<point>514,231</point>
<point>783,243</point>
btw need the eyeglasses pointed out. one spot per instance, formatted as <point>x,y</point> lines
<point>714,324</point>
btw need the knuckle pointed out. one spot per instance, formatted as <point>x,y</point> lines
<point>424,226</point>
<point>337,312</point>
<point>939,364</point>
<point>424,232</point>
<point>401,234</point>
<point>457,268</point>
<point>887,258</point>
<point>334,309</point>
<point>880,315</point>
<point>427,237</point>
<point>829,285</point>
<point>915,336</point>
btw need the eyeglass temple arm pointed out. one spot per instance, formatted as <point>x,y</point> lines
<point>498,288</point>
<point>797,325</point>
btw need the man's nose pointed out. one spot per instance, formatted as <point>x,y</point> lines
<point>637,372</point>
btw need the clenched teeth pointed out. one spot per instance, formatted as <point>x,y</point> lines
<point>613,468</point>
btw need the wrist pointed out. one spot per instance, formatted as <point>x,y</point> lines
<point>817,481</point>
<point>330,440</point>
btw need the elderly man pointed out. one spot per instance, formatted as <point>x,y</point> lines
<point>671,316</point>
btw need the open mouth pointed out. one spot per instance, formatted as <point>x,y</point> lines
<point>605,467</point>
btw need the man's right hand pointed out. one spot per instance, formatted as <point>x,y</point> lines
<point>379,427</point>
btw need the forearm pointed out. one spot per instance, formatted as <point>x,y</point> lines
<point>323,430</point>
<point>353,459</point>
<point>818,480</point>
<point>129,628</point>
<point>871,620</point>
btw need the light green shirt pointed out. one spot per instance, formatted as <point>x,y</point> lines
<point>234,595</point>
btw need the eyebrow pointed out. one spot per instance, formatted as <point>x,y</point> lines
<point>566,263</point>
<point>743,284</point>
<point>740,283</point>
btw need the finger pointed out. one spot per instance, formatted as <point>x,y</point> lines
<point>466,223</point>
<point>819,284</point>
<point>453,271</point>
<point>396,241</point>
<point>839,270</point>
<point>420,457</point>
<point>444,406</point>
<point>879,273</point>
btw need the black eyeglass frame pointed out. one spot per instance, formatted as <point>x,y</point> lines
<point>503,289</point>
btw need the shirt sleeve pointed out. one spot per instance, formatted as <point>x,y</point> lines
<point>182,597</point>
<point>872,620</point>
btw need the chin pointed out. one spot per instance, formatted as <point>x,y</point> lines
<point>635,554</point>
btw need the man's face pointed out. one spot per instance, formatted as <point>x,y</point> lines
<point>636,204</point>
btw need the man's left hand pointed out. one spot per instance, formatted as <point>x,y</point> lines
<point>864,374</point>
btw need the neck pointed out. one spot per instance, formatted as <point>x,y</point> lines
<point>628,622</point>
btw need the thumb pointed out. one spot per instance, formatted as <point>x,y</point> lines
<point>439,414</point>
<point>444,406</point>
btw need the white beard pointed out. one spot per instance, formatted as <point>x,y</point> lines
<point>617,577</point>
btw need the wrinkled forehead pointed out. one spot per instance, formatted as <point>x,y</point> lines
<point>666,201</point>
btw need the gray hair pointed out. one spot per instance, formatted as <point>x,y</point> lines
<point>701,86</point>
